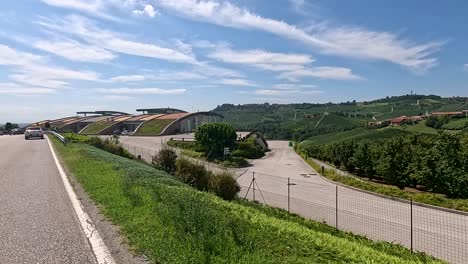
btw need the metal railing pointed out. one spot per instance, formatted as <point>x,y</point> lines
<point>57,135</point>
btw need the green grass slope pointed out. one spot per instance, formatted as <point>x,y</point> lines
<point>458,124</point>
<point>95,128</point>
<point>153,127</point>
<point>172,223</point>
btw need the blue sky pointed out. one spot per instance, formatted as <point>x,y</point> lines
<point>62,56</point>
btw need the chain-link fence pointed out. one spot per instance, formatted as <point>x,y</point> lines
<point>438,232</point>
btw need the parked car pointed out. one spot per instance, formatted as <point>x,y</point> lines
<point>17,131</point>
<point>1,132</point>
<point>32,132</point>
<point>117,132</point>
<point>125,133</point>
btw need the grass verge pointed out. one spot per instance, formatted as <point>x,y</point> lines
<point>420,197</point>
<point>172,223</point>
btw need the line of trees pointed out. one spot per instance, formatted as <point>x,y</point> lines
<point>440,163</point>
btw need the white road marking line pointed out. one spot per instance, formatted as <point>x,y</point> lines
<point>98,246</point>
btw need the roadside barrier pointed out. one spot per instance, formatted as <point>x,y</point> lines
<point>57,135</point>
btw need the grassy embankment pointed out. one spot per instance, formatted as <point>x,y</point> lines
<point>172,223</point>
<point>95,128</point>
<point>153,127</point>
<point>393,191</point>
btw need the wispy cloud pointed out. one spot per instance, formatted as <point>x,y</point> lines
<point>128,78</point>
<point>146,10</point>
<point>237,82</point>
<point>347,41</point>
<point>75,51</point>
<point>336,73</point>
<point>262,59</point>
<point>96,8</point>
<point>15,89</point>
<point>88,31</point>
<point>141,91</point>
<point>34,70</point>
<point>465,67</point>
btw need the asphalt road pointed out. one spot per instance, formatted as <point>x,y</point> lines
<point>439,233</point>
<point>37,221</point>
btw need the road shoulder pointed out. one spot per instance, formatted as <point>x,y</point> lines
<point>110,233</point>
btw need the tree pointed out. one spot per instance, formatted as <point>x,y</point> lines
<point>393,163</point>
<point>214,137</point>
<point>364,159</point>
<point>10,126</point>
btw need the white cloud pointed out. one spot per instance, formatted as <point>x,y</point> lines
<point>35,70</point>
<point>15,89</point>
<point>262,59</point>
<point>335,73</point>
<point>89,32</point>
<point>75,51</point>
<point>9,56</point>
<point>147,10</point>
<point>40,81</point>
<point>96,8</point>
<point>237,82</point>
<point>255,57</point>
<point>141,91</point>
<point>128,78</point>
<point>344,41</point>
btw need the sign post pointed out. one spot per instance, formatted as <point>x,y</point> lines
<point>226,152</point>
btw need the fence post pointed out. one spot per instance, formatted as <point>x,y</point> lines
<point>253,184</point>
<point>323,170</point>
<point>411,219</point>
<point>289,191</point>
<point>336,206</point>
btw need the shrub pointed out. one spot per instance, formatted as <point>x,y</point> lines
<point>110,146</point>
<point>75,138</point>
<point>194,175</point>
<point>165,160</point>
<point>248,150</point>
<point>235,162</point>
<point>224,185</point>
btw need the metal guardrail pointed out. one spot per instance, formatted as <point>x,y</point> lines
<point>57,135</point>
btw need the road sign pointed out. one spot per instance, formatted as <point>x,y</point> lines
<point>226,151</point>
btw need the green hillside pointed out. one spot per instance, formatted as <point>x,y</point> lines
<point>301,121</point>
